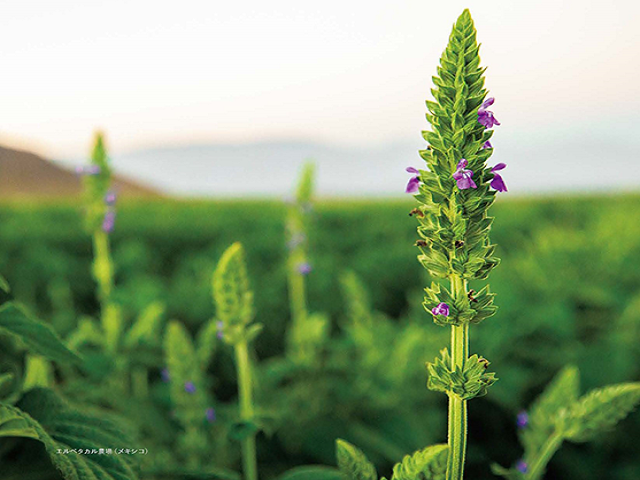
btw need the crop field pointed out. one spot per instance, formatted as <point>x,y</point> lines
<point>568,291</point>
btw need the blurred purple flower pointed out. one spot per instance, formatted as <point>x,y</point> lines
<point>485,117</point>
<point>522,466</point>
<point>486,145</point>
<point>304,268</point>
<point>463,176</point>
<point>441,309</point>
<point>210,414</point>
<point>414,182</point>
<point>522,420</point>
<point>497,183</point>
<point>189,387</point>
<point>110,198</point>
<point>220,329</point>
<point>109,221</point>
<point>166,377</point>
<point>88,170</point>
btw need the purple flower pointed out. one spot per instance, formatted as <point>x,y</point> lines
<point>522,466</point>
<point>486,145</point>
<point>304,268</point>
<point>166,377</point>
<point>109,221</point>
<point>110,198</point>
<point>189,387</point>
<point>497,183</point>
<point>522,420</point>
<point>88,170</point>
<point>414,182</point>
<point>485,117</point>
<point>463,176</point>
<point>296,240</point>
<point>441,309</point>
<point>220,328</point>
<point>210,415</point>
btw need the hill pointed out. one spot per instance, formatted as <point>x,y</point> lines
<point>26,175</point>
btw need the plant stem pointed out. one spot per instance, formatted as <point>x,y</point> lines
<point>297,289</point>
<point>457,408</point>
<point>103,274</point>
<point>537,467</point>
<point>249,461</point>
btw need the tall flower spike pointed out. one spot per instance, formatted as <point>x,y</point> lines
<point>455,200</point>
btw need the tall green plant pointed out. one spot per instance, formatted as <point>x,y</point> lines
<point>454,195</point>
<point>233,298</point>
<point>99,222</point>
<point>307,330</point>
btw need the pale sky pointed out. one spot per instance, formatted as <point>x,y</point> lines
<point>154,73</point>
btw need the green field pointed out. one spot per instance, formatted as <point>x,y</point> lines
<point>568,289</point>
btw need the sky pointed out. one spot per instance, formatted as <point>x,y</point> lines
<point>350,73</point>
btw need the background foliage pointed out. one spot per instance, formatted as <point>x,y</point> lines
<point>569,292</point>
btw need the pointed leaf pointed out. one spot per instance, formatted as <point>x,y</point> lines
<point>38,337</point>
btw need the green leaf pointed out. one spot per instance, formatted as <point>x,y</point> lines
<point>39,337</point>
<point>427,464</point>
<point>147,327</point>
<point>14,424</point>
<point>313,472</point>
<point>44,416</point>
<point>4,285</point>
<point>559,395</point>
<point>600,410</point>
<point>210,473</point>
<point>353,463</point>
<point>207,342</point>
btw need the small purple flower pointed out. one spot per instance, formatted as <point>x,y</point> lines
<point>441,309</point>
<point>462,176</point>
<point>486,145</point>
<point>497,183</point>
<point>522,420</point>
<point>304,268</point>
<point>210,415</point>
<point>414,182</point>
<point>166,377</point>
<point>220,329</point>
<point>88,170</point>
<point>189,387</point>
<point>296,240</point>
<point>109,221</point>
<point>522,466</point>
<point>485,117</point>
<point>110,198</point>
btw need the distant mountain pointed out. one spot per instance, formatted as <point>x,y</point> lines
<point>26,175</point>
<point>271,168</point>
<point>538,161</point>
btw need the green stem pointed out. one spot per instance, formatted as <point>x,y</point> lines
<point>457,438</point>
<point>538,466</point>
<point>249,460</point>
<point>297,289</point>
<point>103,272</point>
